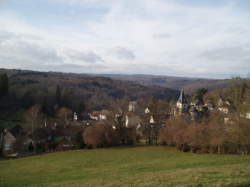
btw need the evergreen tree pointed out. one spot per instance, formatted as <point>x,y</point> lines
<point>4,85</point>
<point>58,96</point>
<point>1,140</point>
<point>200,93</point>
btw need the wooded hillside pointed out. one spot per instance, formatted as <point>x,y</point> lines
<point>77,92</point>
<point>189,84</point>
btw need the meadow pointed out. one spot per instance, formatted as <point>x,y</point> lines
<point>136,166</point>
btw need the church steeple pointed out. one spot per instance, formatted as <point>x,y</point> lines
<point>182,104</point>
<point>182,99</point>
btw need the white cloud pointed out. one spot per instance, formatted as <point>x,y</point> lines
<point>123,53</point>
<point>75,56</point>
<point>157,37</point>
<point>161,35</point>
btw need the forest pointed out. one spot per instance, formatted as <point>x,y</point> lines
<point>78,92</point>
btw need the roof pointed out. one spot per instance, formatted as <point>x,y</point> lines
<point>17,130</point>
<point>182,98</point>
<point>193,109</point>
<point>105,112</point>
<point>133,103</point>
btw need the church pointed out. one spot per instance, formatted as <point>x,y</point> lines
<point>194,110</point>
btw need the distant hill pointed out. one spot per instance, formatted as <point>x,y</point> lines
<point>177,83</point>
<point>97,91</point>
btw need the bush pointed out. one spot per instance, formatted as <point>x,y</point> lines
<point>213,136</point>
<point>100,135</point>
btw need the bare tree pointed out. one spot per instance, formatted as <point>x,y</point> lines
<point>33,117</point>
<point>100,135</point>
<point>64,114</point>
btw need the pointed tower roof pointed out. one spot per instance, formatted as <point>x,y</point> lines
<point>182,98</point>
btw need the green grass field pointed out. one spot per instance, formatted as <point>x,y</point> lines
<point>138,166</point>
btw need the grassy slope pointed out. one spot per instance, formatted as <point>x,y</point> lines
<point>139,166</point>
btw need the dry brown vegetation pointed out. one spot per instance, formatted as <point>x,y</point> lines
<point>210,136</point>
<point>100,135</point>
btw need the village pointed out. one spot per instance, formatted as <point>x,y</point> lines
<point>124,93</point>
<point>130,125</point>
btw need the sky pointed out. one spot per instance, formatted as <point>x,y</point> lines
<point>193,38</point>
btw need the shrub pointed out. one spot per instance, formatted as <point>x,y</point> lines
<point>100,135</point>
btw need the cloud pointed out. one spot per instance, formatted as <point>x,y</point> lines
<point>81,56</point>
<point>227,53</point>
<point>87,3</point>
<point>157,37</point>
<point>25,53</point>
<point>5,36</point>
<point>77,1</point>
<point>123,53</point>
<point>29,52</point>
<point>162,35</point>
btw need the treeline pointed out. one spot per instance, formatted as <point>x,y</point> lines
<point>77,92</point>
<point>189,84</point>
<point>213,136</point>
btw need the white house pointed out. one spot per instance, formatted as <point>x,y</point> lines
<point>248,115</point>
<point>132,106</point>
<point>102,117</point>
<point>75,116</point>
<point>224,106</point>
<point>223,110</point>
<point>94,116</point>
<point>151,119</point>
<point>99,115</point>
<point>147,110</point>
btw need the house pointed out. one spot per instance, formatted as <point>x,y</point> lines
<point>75,116</point>
<point>94,115</point>
<point>245,115</point>
<point>132,120</point>
<point>224,106</point>
<point>209,106</point>
<point>104,114</point>
<point>9,140</point>
<point>151,119</point>
<point>224,110</point>
<point>248,115</point>
<point>132,106</point>
<point>147,110</point>
<point>99,115</point>
<point>194,113</point>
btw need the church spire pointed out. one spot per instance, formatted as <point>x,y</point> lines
<point>182,99</point>
<point>182,104</point>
